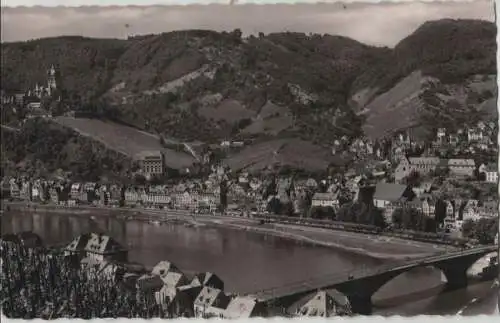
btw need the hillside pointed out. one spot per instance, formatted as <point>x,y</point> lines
<point>44,148</point>
<point>281,153</point>
<point>453,60</point>
<point>125,140</point>
<point>207,86</point>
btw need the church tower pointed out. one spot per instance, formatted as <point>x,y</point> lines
<point>51,80</point>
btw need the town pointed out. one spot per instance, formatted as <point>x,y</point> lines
<point>398,182</point>
<point>252,169</point>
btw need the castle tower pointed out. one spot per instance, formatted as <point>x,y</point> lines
<point>51,80</point>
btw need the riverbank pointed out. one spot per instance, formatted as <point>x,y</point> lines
<point>380,247</point>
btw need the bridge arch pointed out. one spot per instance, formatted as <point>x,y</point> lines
<point>360,291</point>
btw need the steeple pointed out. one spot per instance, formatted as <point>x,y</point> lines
<point>51,79</point>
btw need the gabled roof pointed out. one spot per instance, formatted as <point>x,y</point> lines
<point>79,243</point>
<point>322,303</point>
<point>174,279</point>
<point>208,279</point>
<point>389,191</point>
<point>149,153</point>
<point>491,167</point>
<point>102,244</point>
<point>240,307</point>
<point>424,160</point>
<point>208,296</point>
<point>149,282</point>
<point>324,196</point>
<point>461,162</point>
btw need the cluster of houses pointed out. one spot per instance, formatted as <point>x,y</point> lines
<point>165,284</point>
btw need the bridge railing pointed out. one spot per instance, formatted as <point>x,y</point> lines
<point>331,279</point>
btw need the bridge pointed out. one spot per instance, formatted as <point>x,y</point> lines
<point>359,285</point>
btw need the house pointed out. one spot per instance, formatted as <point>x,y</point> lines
<point>174,279</point>
<point>149,286</point>
<point>163,267</point>
<point>441,134</point>
<point>325,200</point>
<point>244,307</point>
<point>131,196</point>
<point>462,167</point>
<point>208,279</point>
<point>428,207</point>
<point>490,172</point>
<point>183,200</point>
<point>421,165</point>
<point>157,199</point>
<point>15,192</point>
<point>386,193</point>
<point>75,191</point>
<point>321,304</point>
<point>54,195</point>
<point>151,163</point>
<point>470,213</point>
<point>176,301</point>
<point>474,135</point>
<point>210,302</point>
<point>77,246</point>
<point>103,247</point>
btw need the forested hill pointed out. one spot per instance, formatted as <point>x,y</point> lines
<point>205,85</point>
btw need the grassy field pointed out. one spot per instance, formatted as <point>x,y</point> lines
<point>126,140</point>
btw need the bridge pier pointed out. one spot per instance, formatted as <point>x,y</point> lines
<point>361,304</point>
<point>456,277</point>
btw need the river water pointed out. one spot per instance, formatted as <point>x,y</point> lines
<point>250,261</point>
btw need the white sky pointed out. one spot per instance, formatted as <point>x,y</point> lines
<point>378,24</point>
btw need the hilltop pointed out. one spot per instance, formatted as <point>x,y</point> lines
<point>208,86</point>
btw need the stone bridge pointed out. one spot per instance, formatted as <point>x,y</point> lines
<point>359,285</point>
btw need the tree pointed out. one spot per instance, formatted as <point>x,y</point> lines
<point>139,179</point>
<point>274,206</point>
<point>468,228</point>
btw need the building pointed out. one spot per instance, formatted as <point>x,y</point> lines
<point>474,135</point>
<point>208,279</point>
<point>210,302</point>
<point>490,172</point>
<point>325,200</point>
<point>422,165</point>
<point>132,196</point>
<point>149,286</point>
<point>321,304</point>
<point>157,199</point>
<point>103,247</point>
<point>164,267</point>
<point>176,301</point>
<point>462,167</point>
<point>151,163</point>
<point>77,246</point>
<point>244,307</point>
<point>387,193</point>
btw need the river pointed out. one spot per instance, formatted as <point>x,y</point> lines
<point>250,261</point>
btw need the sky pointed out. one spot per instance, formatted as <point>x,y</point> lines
<point>382,24</point>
